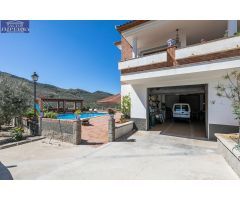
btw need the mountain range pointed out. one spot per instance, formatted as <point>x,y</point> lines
<point>51,91</point>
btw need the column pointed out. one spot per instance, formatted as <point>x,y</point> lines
<point>183,38</point>
<point>57,106</point>
<point>63,106</point>
<point>111,129</point>
<point>232,27</point>
<point>134,50</point>
<point>171,61</point>
<point>75,105</point>
<point>77,132</point>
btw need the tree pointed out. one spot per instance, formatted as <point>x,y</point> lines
<point>126,106</point>
<point>14,102</point>
<point>231,91</point>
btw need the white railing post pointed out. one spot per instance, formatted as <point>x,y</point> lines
<point>134,48</point>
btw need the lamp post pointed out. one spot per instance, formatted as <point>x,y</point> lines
<point>35,79</point>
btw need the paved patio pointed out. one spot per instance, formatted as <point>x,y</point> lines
<point>97,132</point>
<point>142,156</point>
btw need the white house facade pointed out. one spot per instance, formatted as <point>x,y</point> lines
<point>157,74</point>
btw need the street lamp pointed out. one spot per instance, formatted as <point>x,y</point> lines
<point>35,79</point>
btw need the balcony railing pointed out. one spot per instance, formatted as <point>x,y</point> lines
<point>214,46</point>
<point>195,53</point>
<point>142,61</point>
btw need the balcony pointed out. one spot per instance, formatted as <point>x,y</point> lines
<point>206,51</point>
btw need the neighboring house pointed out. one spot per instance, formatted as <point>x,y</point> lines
<point>157,73</point>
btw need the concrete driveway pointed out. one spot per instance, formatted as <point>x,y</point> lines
<point>143,156</point>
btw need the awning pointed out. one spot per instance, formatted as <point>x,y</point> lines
<point>114,99</point>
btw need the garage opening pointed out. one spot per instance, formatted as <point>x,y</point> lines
<point>178,111</point>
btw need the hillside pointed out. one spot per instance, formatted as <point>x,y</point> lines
<point>52,91</point>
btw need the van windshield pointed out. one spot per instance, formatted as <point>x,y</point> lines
<point>184,107</point>
<point>177,108</point>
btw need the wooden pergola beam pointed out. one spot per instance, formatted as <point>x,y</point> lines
<point>58,100</point>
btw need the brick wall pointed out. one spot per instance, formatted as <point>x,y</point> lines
<point>126,49</point>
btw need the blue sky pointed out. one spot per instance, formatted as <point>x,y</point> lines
<point>68,54</point>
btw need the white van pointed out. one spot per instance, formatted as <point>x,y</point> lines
<point>181,111</point>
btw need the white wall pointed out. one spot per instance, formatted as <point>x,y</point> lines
<point>138,94</point>
<point>219,108</point>
<point>209,47</point>
<point>146,60</point>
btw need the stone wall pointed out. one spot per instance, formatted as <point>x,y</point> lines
<point>140,124</point>
<point>116,131</point>
<point>64,130</point>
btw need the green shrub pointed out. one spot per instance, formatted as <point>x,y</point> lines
<point>126,106</point>
<point>17,133</point>
<point>29,114</point>
<point>13,102</point>
<point>77,112</point>
<point>50,114</point>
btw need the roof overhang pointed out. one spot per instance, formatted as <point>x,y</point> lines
<point>155,33</point>
<point>118,45</point>
<point>130,25</point>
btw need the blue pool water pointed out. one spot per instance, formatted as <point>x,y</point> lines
<point>82,116</point>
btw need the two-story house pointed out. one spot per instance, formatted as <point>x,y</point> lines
<point>167,62</point>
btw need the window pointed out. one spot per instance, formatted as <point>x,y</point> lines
<point>185,108</point>
<point>177,108</point>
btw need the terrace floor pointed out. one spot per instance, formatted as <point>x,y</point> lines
<point>96,133</point>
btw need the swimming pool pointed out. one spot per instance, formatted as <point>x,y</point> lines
<point>72,116</point>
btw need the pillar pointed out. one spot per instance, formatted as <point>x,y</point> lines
<point>134,49</point>
<point>77,132</point>
<point>111,129</point>
<point>171,61</point>
<point>58,106</point>
<point>232,27</point>
<point>183,38</point>
<point>63,106</point>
